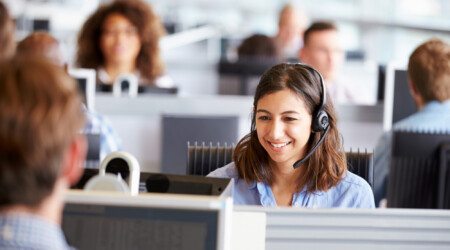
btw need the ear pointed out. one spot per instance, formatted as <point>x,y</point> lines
<point>74,156</point>
<point>416,96</point>
<point>301,54</point>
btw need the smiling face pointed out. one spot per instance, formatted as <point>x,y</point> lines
<point>120,42</point>
<point>283,125</point>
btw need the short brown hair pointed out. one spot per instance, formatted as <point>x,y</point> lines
<point>429,70</point>
<point>40,115</point>
<point>325,168</point>
<point>317,26</point>
<point>259,46</point>
<point>41,44</point>
<point>7,43</point>
<point>149,27</point>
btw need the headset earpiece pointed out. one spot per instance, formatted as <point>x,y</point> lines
<point>320,121</point>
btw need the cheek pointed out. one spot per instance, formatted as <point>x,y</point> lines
<point>105,43</point>
<point>301,133</point>
<point>135,42</point>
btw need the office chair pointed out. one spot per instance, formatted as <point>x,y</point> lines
<point>205,158</point>
<point>419,171</point>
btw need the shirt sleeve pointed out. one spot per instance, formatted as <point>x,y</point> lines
<point>109,142</point>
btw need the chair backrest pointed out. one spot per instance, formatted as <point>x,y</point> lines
<point>205,158</point>
<point>361,164</point>
<point>418,170</point>
<point>178,129</point>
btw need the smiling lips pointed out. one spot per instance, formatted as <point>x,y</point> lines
<point>278,146</point>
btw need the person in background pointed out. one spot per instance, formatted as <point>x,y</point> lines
<point>322,50</point>
<point>291,25</point>
<point>258,47</point>
<point>45,45</point>
<point>122,37</point>
<point>284,129</point>
<point>40,151</point>
<point>429,83</point>
<point>7,43</point>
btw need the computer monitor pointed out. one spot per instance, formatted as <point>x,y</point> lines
<point>86,80</point>
<point>101,220</point>
<point>398,102</point>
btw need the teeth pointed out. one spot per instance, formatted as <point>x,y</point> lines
<point>279,145</point>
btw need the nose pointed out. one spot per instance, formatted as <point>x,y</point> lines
<point>276,130</point>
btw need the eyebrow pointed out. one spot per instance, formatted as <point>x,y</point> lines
<point>284,113</point>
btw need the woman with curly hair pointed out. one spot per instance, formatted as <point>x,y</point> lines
<point>122,38</point>
<point>293,155</point>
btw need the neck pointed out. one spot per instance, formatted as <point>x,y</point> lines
<point>50,208</point>
<point>286,177</point>
<point>115,69</point>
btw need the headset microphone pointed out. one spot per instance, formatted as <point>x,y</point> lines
<point>320,119</point>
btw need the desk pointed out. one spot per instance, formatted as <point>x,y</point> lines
<point>138,120</point>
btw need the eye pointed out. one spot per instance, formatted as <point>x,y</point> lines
<point>290,119</point>
<point>264,118</point>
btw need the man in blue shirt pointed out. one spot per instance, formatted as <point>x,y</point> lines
<point>429,82</point>
<point>40,151</point>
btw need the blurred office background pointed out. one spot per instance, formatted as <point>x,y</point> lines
<point>200,32</point>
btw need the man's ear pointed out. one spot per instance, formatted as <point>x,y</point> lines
<point>74,157</point>
<point>301,54</point>
<point>416,95</point>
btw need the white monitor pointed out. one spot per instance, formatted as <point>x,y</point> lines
<point>398,102</point>
<point>102,220</point>
<point>86,79</point>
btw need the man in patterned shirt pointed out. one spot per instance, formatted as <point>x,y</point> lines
<point>40,151</point>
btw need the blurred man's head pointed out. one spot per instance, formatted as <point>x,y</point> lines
<point>322,49</point>
<point>429,72</point>
<point>7,43</point>
<point>291,24</point>
<point>40,118</point>
<point>42,44</point>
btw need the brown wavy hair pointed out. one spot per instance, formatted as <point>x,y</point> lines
<point>40,115</point>
<point>149,27</point>
<point>7,43</point>
<point>327,165</point>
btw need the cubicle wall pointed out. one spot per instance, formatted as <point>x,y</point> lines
<point>293,228</point>
<point>138,120</point>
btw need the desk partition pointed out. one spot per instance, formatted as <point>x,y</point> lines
<point>138,121</point>
<point>294,228</point>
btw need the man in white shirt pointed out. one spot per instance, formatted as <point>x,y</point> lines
<point>322,50</point>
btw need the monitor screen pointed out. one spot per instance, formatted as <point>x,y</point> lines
<point>398,102</point>
<point>86,79</point>
<point>94,220</point>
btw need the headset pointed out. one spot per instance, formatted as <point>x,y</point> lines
<point>320,117</point>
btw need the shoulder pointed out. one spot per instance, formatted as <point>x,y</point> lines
<point>228,171</point>
<point>354,191</point>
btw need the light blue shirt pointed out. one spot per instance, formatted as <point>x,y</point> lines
<point>98,124</point>
<point>27,231</point>
<point>352,191</point>
<point>434,117</point>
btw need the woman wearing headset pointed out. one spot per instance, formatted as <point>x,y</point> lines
<point>293,155</point>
